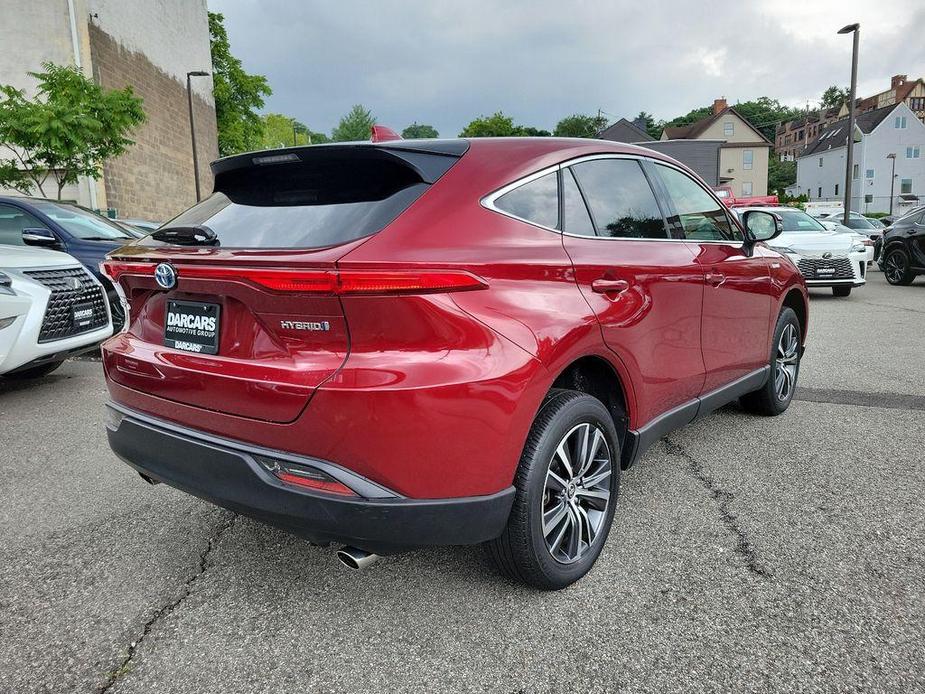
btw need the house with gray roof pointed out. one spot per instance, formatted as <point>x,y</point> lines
<point>884,138</point>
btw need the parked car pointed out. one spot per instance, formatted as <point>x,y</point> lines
<point>50,308</point>
<point>442,342</point>
<point>826,258</point>
<point>137,227</point>
<point>863,225</point>
<point>729,199</point>
<point>857,236</point>
<point>903,249</point>
<point>890,218</point>
<point>63,226</point>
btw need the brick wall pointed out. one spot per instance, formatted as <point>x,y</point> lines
<point>154,179</point>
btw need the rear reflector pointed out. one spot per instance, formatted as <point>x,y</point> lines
<point>304,476</point>
<point>316,281</point>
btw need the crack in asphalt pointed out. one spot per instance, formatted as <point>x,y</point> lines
<point>890,306</point>
<point>125,666</point>
<point>743,546</point>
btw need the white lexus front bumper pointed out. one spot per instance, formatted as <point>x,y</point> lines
<point>836,270</point>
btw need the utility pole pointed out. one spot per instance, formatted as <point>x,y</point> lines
<point>856,30</point>
<point>892,155</point>
<point>192,127</point>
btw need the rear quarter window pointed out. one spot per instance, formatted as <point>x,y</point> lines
<point>536,201</point>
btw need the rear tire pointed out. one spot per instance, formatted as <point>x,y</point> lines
<point>559,523</point>
<point>35,371</point>
<point>897,269</point>
<point>841,291</point>
<point>774,397</point>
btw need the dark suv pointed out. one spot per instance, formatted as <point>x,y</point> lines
<point>444,342</point>
<point>63,226</point>
<point>902,248</point>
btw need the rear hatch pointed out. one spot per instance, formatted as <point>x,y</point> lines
<point>235,304</point>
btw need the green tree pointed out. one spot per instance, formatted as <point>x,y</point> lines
<point>652,128</point>
<point>834,97</point>
<point>282,131</point>
<point>356,125</point>
<point>68,130</point>
<point>418,131</point>
<point>580,125</point>
<point>318,138</point>
<point>780,174</point>
<point>499,125</point>
<point>237,94</point>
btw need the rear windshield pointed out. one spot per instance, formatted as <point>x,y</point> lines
<point>326,201</point>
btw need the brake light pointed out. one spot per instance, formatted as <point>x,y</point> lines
<point>334,282</point>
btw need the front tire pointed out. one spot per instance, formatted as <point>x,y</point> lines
<point>774,397</point>
<point>841,291</point>
<point>897,268</point>
<point>567,485</point>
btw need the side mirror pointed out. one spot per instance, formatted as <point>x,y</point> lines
<point>762,225</point>
<point>39,237</point>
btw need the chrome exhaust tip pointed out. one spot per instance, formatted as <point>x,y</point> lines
<point>354,558</point>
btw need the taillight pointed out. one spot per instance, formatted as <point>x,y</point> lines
<point>334,282</point>
<point>114,269</point>
<point>304,476</point>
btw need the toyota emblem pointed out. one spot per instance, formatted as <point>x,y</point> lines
<point>165,276</point>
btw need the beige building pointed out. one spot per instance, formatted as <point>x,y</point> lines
<point>150,46</point>
<point>743,156</point>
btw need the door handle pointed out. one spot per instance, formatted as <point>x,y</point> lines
<point>604,286</point>
<point>715,278</point>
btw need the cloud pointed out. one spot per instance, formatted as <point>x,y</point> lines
<point>446,63</point>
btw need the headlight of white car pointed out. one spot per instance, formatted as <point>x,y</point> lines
<point>858,248</point>
<point>783,249</point>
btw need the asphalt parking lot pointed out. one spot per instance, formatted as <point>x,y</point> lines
<point>747,554</point>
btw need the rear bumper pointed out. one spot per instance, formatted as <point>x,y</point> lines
<point>225,473</point>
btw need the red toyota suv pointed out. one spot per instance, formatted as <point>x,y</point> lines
<point>443,342</point>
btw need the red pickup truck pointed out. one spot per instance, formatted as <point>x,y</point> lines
<point>729,199</point>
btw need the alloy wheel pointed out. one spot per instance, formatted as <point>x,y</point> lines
<point>576,495</point>
<point>895,268</point>
<point>788,357</point>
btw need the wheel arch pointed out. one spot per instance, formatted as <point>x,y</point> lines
<point>796,300</point>
<point>598,377</point>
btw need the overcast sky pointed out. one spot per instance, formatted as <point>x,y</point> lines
<point>445,63</point>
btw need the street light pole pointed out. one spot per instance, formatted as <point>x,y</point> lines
<point>192,126</point>
<point>892,155</point>
<point>856,30</point>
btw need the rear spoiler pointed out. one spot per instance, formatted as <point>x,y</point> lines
<point>428,158</point>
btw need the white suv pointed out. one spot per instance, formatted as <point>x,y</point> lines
<point>824,257</point>
<point>50,308</point>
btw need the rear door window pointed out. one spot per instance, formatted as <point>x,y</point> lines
<point>536,201</point>
<point>697,215</point>
<point>622,202</point>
